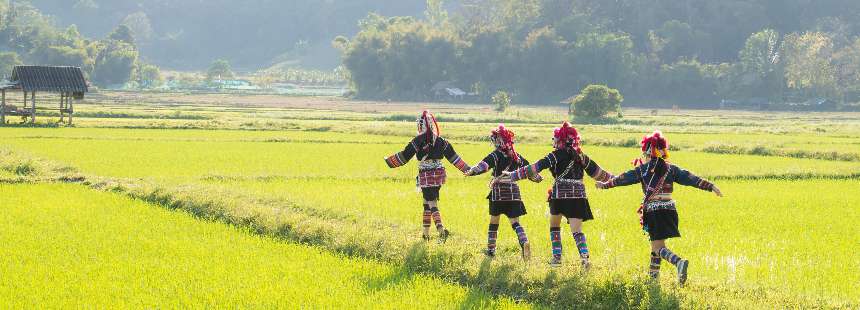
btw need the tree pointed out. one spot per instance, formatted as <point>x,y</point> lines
<point>122,33</point>
<point>219,70</point>
<point>435,13</point>
<point>542,66</point>
<point>139,27</point>
<point>502,100</point>
<point>847,60</point>
<point>595,101</point>
<point>64,56</point>
<point>115,63</point>
<point>687,82</point>
<point>761,67</point>
<point>676,39</point>
<point>400,57</point>
<point>808,65</point>
<point>603,58</point>
<point>8,60</point>
<point>149,76</point>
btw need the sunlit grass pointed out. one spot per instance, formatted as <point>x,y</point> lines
<point>71,247</point>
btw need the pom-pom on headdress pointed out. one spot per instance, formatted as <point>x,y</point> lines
<point>503,139</point>
<point>655,146</point>
<point>428,127</point>
<point>566,137</point>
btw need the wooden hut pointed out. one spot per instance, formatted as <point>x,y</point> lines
<point>68,82</point>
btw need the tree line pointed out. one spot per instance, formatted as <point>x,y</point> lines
<point>688,53</point>
<point>28,36</point>
<point>250,34</point>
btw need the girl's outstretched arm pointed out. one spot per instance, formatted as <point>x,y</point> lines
<point>595,171</point>
<point>537,178</point>
<point>687,178</point>
<point>485,165</point>
<point>402,157</point>
<point>532,172</point>
<point>628,178</point>
<point>455,159</point>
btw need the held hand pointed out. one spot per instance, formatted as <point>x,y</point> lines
<point>506,173</point>
<point>717,191</point>
<point>469,173</point>
<point>601,185</point>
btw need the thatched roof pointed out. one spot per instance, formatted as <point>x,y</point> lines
<point>50,79</point>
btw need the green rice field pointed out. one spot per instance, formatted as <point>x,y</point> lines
<point>289,204</point>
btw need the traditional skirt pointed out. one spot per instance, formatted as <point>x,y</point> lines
<point>661,220</point>
<point>571,208</point>
<point>431,178</point>
<point>568,189</point>
<point>430,193</point>
<point>511,209</point>
<point>505,191</point>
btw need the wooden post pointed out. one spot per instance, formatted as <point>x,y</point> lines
<point>71,109</point>
<point>3,109</point>
<point>33,109</point>
<point>62,97</point>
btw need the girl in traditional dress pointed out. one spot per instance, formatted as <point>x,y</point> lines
<point>504,195</point>
<point>429,148</point>
<point>568,165</point>
<point>658,215</point>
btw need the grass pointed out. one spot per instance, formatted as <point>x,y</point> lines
<point>76,248</point>
<point>313,175</point>
<point>324,155</point>
<point>738,241</point>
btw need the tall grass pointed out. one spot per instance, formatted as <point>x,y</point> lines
<point>109,251</point>
<point>350,234</point>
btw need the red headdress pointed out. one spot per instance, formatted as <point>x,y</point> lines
<point>503,138</point>
<point>654,145</point>
<point>428,127</point>
<point>566,137</point>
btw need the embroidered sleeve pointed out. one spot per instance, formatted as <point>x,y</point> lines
<point>455,159</point>
<point>594,170</point>
<point>532,172</point>
<point>402,157</point>
<point>483,166</point>
<point>537,178</point>
<point>684,177</point>
<point>628,178</point>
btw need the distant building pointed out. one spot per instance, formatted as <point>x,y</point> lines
<point>68,82</point>
<point>234,85</point>
<point>446,90</point>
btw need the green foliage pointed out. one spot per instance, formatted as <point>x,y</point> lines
<point>65,56</point>
<point>8,60</point>
<point>400,57</point>
<point>595,101</point>
<point>115,63</point>
<point>687,81</point>
<point>219,70</point>
<point>122,33</point>
<point>676,39</point>
<point>149,76</point>
<point>538,49</point>
<point>501,100</point>
<point>33,37</point>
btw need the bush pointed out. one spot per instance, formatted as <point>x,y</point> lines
<point>595,101</point>
<point>502,100</point>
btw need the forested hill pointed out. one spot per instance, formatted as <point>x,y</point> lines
<point>691,52</point>
<point>251,34</point>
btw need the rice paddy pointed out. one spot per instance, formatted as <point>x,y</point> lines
<point>783,236</point>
